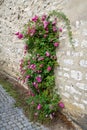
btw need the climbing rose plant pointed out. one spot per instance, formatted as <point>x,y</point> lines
<point>41,35</point>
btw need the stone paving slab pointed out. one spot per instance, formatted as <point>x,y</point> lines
<point>4,97</point>
<point>13,118</point>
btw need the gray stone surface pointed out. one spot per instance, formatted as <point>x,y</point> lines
<point>11,117</point>
<point>83,122</point>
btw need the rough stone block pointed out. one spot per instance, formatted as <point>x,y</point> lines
<point>77,75</point>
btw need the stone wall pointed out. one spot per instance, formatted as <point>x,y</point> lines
<point>71,76</point>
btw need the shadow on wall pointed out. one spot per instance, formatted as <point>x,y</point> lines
<point>1,2</point>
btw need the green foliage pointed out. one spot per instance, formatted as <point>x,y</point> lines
<point>64,18</point>
<point>41,36</point>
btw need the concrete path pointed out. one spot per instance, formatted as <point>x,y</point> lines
<point>13,118</point>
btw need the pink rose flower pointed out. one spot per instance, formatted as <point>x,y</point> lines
<point>23,81</point>
<point>18,78</point>
<point>22,71</point>
<point>39,71</point>
<point>47,53</point>
<point>25,52</point>
<point>32,94</point>
<point>35,85</point>
<point>28,76</point>
<point>54,29</point>
<point>45,24</point>
<point>25,47</point>
<point>56,44</point>
<point>31,31</point>
<point>17,33</point>
<point>47,31</point>
<point>49,68</point>
<point>39,79</point>
<point>61,104</point>
<point>32,66</point>
<point>35,18</point>
<point>40,58</point>
<point>39,107</point>
<point>28,66</point>
<point>28,62</point>
<point>54,23</point>
<point>21,61</point>
<point>21,67</point>
<point>45,35</point>
<point>60,29</point>
<point>44,17</point>
<point>20,36</point>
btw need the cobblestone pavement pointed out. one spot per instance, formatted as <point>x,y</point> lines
<point>12,118</point>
